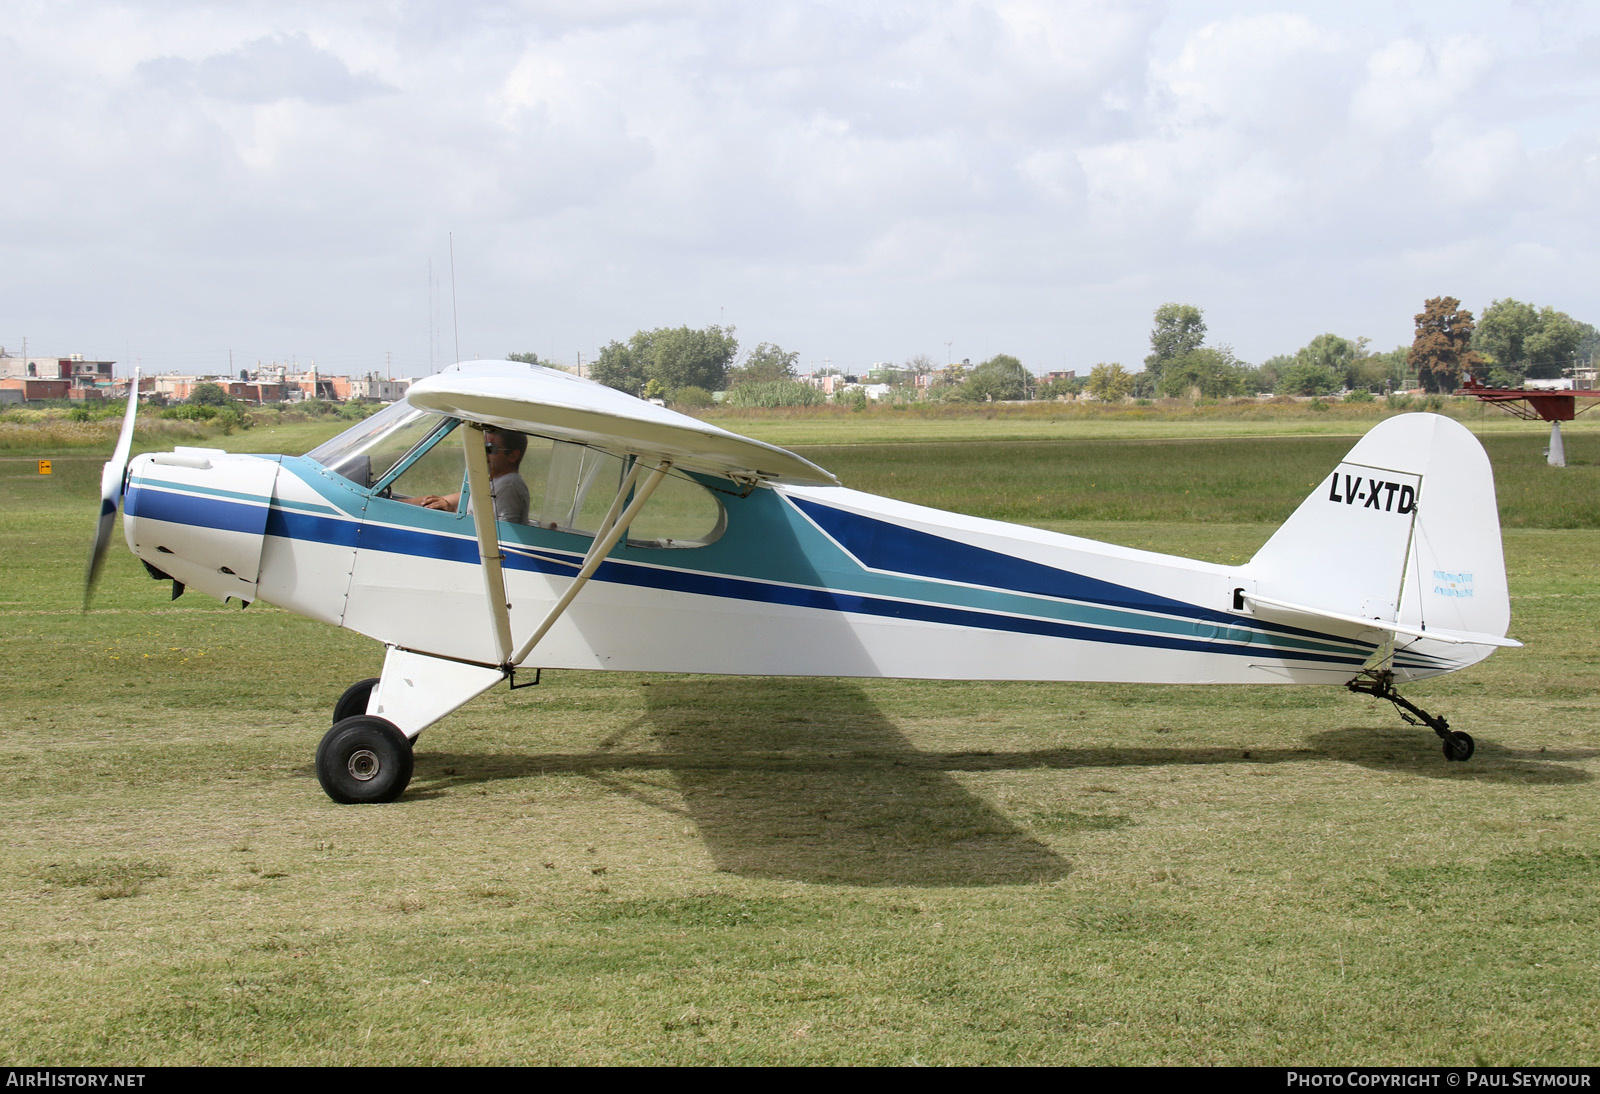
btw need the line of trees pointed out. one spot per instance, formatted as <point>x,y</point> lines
<point>1513,342</point>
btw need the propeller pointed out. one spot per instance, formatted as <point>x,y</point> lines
<point>111,490</point>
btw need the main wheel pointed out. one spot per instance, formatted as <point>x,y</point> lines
<point>364,759</point>
<point>354,699</point>
<point>1458,746</point>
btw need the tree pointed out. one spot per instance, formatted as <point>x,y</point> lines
<point>1553,346</point>
<point>1212,373</point>
<point>1179,329</point>
<point>1385,371</point>
<point>1308,377</point>
<point>209,394</point>
<point>1519,341</point>
<point>1329,351</point>
<point>675,356</point>
<point>1327,359</point>
<point>618,367</point>
<point>680,356</point>
<point>765,364</point>
<point>1264,377</point>
<point>525,358</point>
<point>1499,339</point>
<point>1000,377</point>
<point>692,398</point>
<point>1109,383</point>
<point>1061,385</point>
<point>1589,344</point>
<point>1442,350</point>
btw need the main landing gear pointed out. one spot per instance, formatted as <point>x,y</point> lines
<point>354,699</point>
<point>364,759</point>
<point>1379,683</point>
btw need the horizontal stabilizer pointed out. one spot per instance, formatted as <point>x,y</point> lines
<point>1454,638</point>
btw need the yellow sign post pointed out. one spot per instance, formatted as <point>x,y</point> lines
<point>44,467</point>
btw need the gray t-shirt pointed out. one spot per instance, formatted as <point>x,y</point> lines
<point>510,499</point>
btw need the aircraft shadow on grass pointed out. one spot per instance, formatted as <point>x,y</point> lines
<point>810,781</point>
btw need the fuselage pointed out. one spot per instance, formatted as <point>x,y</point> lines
<point>811,581</point>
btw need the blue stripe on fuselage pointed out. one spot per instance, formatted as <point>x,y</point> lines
<point>894,548</point>
<point>373,535</point>
<point>145,502</point>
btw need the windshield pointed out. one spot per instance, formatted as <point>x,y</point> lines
<point>366,451</point>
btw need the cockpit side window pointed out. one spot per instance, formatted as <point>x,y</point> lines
<point>432,467</point>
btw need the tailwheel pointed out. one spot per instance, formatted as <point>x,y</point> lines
<point>1458,746</point>
<point>364,759</point>
<point>1379,683</point>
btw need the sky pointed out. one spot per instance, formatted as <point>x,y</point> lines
<point>389,187</point>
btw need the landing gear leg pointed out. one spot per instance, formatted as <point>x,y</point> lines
<point>1379,683</point>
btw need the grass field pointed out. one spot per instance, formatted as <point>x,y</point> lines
<point>627,868</point>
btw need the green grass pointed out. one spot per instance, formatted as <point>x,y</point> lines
<point>622,868</point>
<point>1170,419</point>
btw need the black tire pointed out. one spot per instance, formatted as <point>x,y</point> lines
<point>354,699</point>
<point>364,759</point>
<point>1458,747</point>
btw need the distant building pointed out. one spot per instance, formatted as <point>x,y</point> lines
<point>374,387</point>
<point>25,379</point>
<point>826,384</point>
<point>73,377</point>
<point>312,385</point>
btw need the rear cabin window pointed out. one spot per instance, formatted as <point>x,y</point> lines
<point>572,488</point>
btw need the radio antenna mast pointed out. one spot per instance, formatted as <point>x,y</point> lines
<point>454,322</point>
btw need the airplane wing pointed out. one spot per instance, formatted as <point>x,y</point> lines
<point>551,403</point>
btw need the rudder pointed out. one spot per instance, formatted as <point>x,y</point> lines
<point>1404,530</point>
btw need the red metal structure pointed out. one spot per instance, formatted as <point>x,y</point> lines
<point>1543,404</point>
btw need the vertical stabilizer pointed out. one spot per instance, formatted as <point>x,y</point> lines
<point>1404,530</point>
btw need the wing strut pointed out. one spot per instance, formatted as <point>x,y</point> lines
<point>611,530</point>
<point>483,523</point>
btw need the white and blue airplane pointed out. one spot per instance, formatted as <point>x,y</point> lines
<point>657,542</point>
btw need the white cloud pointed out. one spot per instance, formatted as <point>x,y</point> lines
<point>1414,83</point>
<point>207,175</point>
<point>1476,168</point>
<point>265,70</point>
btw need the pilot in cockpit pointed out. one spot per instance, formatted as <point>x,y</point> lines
<point>505,449</point>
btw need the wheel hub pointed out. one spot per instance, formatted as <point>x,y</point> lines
<point>364,765</point>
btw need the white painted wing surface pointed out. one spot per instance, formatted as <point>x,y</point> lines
<point>551,403</point>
